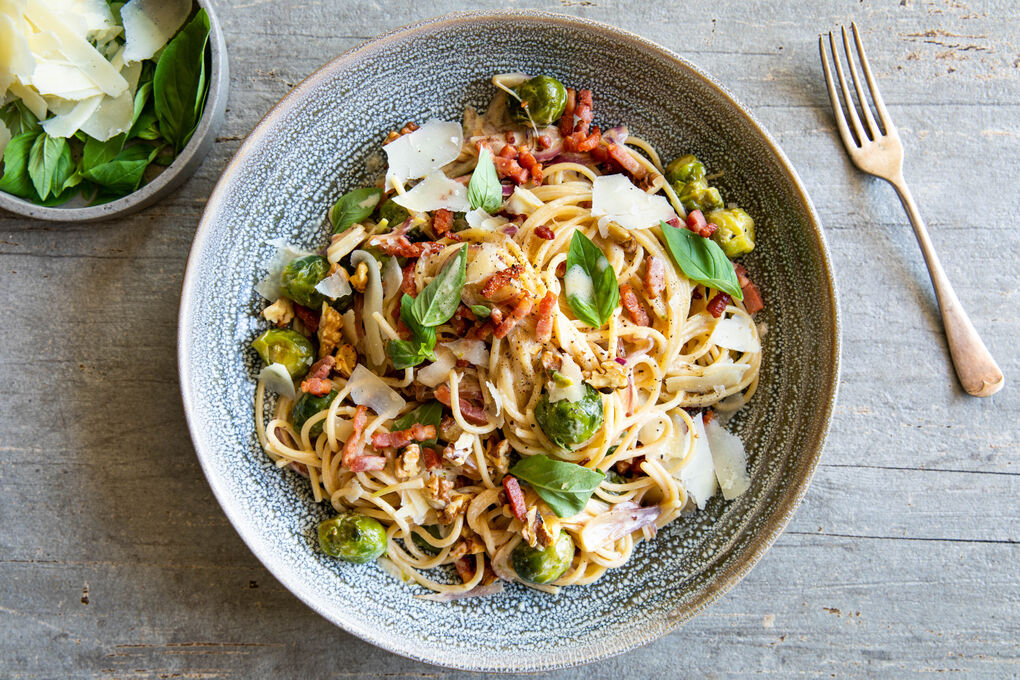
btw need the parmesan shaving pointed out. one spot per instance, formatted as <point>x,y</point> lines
<point>698,474</point>
<point>729,459</point>
<point>149,25</point>
<point>615,197</point>
<point>736,333</point>
<point>367,389</point>
<point>276,378</point>
<point>424,151</point>
<point>434,192</point>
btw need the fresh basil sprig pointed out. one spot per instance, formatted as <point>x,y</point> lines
<point>484,189</point>
<point>49,165</point>
<point>565,487</point>
<point>15,179</point>
<point>180,81</point>
<point>408,353</point>
<point>590,283</point>
<point>429,413</point>
<point>701,259</point>
<point>353,207</point>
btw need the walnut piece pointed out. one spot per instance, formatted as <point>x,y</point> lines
<point>438,489</point>
<point>346,359</point>
<point>330,323</point>
<point>280,312</point>
<point>407,463</point>
<point>609,374</point>
<point>360,278</point>
<point>457,506</point>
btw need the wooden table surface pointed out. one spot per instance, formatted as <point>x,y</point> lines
<point>116,561</point>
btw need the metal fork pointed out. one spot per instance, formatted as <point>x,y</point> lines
<point>878,151</point>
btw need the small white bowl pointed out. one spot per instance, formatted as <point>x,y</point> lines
<point>173,175</point>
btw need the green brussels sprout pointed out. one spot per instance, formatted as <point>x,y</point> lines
<point>684,169</point>
<point>306,407</point>
<point>287,347</point>
<point>393,213</point>
<point>697,195</point>
<point>570,423</point>
<point>544,97</point>
<point>300,277</point>
<point>735,234</point>
<point>543,565</point>
<point>352,537</point>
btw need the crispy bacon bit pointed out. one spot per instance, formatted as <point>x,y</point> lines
<point>352,453</point>
<point>752,298</point>
<point>630,302</point>
<point>508,151</point>
<point>528,162</point>
<point>442,221</point>
<point>588,143</point>
<point>322,367</point>
<point>432,458</point>
<point>500,280</point>
<point>309,318</point>
<point>401,247</point>
<point>408,285</point>
<point>317,381</point>
<point>473,413</point>
<point>481,331</point>
<point>717,305</point>
<point>567,119</point>
<point>674,222</point>
<point>508,167</point>
<point>707,416</point>
<point>543,231</point>
<point>655,276</point>
<point>544,142</point>
<point>543,329</point>
<point>626,161</point>
<point>599,154</point>
<point>521,310</point>
<point>401,438</point>
<point>697,223</point>
<point>561,268</point>
<point>583,112</point>
<point>515,497</point>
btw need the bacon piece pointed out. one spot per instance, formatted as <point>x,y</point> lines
<point>707,416</point>
<point>543,231</point>
<point>309,318</point>
<point>674,222</point>
<point>442,221</point>
<point>408,285</point>
<point>752,298</point>
<point>581,143</point>
<point>515,497</point>
<point>583,112</point>
<point>543,330</point>
<point>567,119</point>
<point>599,154</point>
<point>626,161</point>
<point>521,310</point>
<point>472,412</point>
<point>481,331</point>
<point>316,386</point>
<point>508,167</point>
<point>655,276</point>
<point>432,458</point>
<point>401,438</point>
<point>352,453</point>
<point>697,223</point>
<point>508,151</point>
<point>544,142</point>
<point>717,305</point>
<point>363,463</point>
<point>500,280</point>
<point>316,381</point>
<point>528,162</point>
<point>465,568</point>
<point>630,302</point>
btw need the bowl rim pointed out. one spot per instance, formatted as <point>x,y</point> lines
<point>725,579</point>
<point>175,174</point>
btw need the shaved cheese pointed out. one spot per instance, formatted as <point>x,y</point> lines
<point>415,500</point>
<point>729,459</point>
<point>736,333</point>
<point>30,98</point>
<point>335,285</point>
<point>439,370</point>
<point>343,246</point>
<point>67,124</point>
<point>434,192</point>
<point>63,80</point>
<point>149,24</point>
<point>85,17</point>
<point>479,219</point>
<point>111,118</point>
<point>698,474</point>
<point>367,389</point>
<point>570,385</point>
<point>269,286</point>
<point>372,304</point>
<point>276,378</point>
<point>462,448</point>
<point>720,375</point>
<point>523,202</point>
<point>497,398</point>
<point>423,151</point>
<point>615,197</point>
<point>15,56</point>
<point>470,350</point>
<point>77,50</point>
<point>624,519</point>
<point>393,278</point>
<point>488,260</point>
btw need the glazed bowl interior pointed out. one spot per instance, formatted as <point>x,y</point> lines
<point>316,144</point>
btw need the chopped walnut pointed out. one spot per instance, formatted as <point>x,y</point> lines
<point>449,430</point>
<point>471,545</point>
<point>454,508</point>
<point>609,374</point>
<point>499,456</point>
<point>459,451</point>
<point>438,489</point>
<point>534,530</point>
<point>360,278</point>
<point>280,312</point>
<point>346,359</point>
<point>330,323</point>
<point>407,463</point>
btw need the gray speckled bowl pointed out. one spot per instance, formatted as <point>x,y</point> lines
<point>312,146</point>
<point>175,174</point>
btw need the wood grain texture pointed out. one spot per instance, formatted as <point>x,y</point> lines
<point>116,561</point>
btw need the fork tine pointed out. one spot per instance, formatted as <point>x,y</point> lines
<point>848,98</point>
<point>837,109</point>
<point>883,114</point>
<point>869,121</point>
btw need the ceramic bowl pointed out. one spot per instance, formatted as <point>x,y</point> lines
<point>183,167</point>
<point>313,146</point>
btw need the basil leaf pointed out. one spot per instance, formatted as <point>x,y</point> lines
<point>429,413</point>
<point>96,153</point>
<point>701,259</point>
<point>592,290</point>
<point>142,96</point>
<point>45,163</point>
<point>404,353</point>
<point>353,207</point>
<point>481,311</point>
<point>408,353</point>
<point>565,487</point>
<point>484,189</point>
<point>124,172</point>
<point>439,300</point>
<point>18,118</point>
<point>15,179</point>
<point>180,79</point>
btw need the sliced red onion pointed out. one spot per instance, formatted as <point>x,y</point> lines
<point>621,361</point>
<point>508,190</point>
<point>548,154</point>
<point>573,157</point>
<point>477,591</point>
<point>617,135</point>
<point>624,519</point>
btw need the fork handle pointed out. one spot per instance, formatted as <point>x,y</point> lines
<point>977,370</point>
